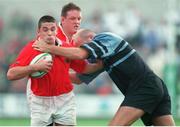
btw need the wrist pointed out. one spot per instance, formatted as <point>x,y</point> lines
<point>49,48</point>
<point>31,68</point>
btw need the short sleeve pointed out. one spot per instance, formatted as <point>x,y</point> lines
<point>24,57</point>
<point>87,78</point>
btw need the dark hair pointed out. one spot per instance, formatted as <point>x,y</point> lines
<point>68,7</point>
<point>46,18</point>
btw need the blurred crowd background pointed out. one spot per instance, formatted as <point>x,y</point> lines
<point>152,27</point>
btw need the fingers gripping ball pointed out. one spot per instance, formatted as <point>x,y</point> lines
<point>38,58</point>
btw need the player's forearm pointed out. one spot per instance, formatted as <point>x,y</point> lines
<point>16,73</point>
<point>92,67</point>
<point>71,52</point>
<point>74,78</point>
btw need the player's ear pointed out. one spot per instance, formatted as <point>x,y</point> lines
<point>91,36</point>
<point>62,19</point>
<point>56,28</point>
<point>38,32</point>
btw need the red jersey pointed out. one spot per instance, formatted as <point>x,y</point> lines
<point>56,81</point>
<point>61,35</point>
<point>74,64</point>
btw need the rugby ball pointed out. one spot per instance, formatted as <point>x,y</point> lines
<point>38,58</point>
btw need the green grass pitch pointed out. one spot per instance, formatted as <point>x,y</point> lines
<point>80,122</point>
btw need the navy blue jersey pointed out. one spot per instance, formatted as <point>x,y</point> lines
<point>105,45</point>
<point>87,78</point>
<point>141,87</point>
<point>121,61</point>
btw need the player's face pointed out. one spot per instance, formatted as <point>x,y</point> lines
<point>71,22</point>
<point>47,32</point>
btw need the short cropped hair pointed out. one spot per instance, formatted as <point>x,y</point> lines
<point>68,7</point>
<point>85,33</point>
<point>46,18</point>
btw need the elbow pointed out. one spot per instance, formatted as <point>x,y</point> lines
<point>10,75</point>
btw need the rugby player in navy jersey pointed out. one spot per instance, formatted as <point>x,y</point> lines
<point>146,95</point>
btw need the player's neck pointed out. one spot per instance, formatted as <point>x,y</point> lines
<point>68,35</point>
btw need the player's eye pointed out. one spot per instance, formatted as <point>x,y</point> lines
<point>79,18</point>
<point>53,29</point>
<point>72,18</point>
<point>45,29</point>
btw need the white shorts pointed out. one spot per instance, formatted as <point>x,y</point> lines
<point>57,109</point>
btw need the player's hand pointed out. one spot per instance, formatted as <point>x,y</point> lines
<point>41,45</point>
<point>99,63</point>
<point>74,78</point>
<point>43,66</point>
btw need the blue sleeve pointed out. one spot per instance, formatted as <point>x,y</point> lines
<point>103,45</point>
<point>87,78</point>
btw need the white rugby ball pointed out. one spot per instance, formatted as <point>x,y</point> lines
<point>42,56</point>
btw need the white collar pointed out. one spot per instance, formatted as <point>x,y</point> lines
<point>59,42</point>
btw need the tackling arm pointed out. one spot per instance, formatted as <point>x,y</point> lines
<point>92,70</point>
<point>69,52</point>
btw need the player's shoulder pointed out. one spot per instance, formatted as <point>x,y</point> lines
<point>28,47</point>
<point>107,36</point>
<point>29,43</point>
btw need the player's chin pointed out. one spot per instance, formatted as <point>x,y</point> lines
<point>50,41</point>
<point>75,31</point>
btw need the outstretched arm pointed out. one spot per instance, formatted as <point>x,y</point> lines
<point>69,52</point>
